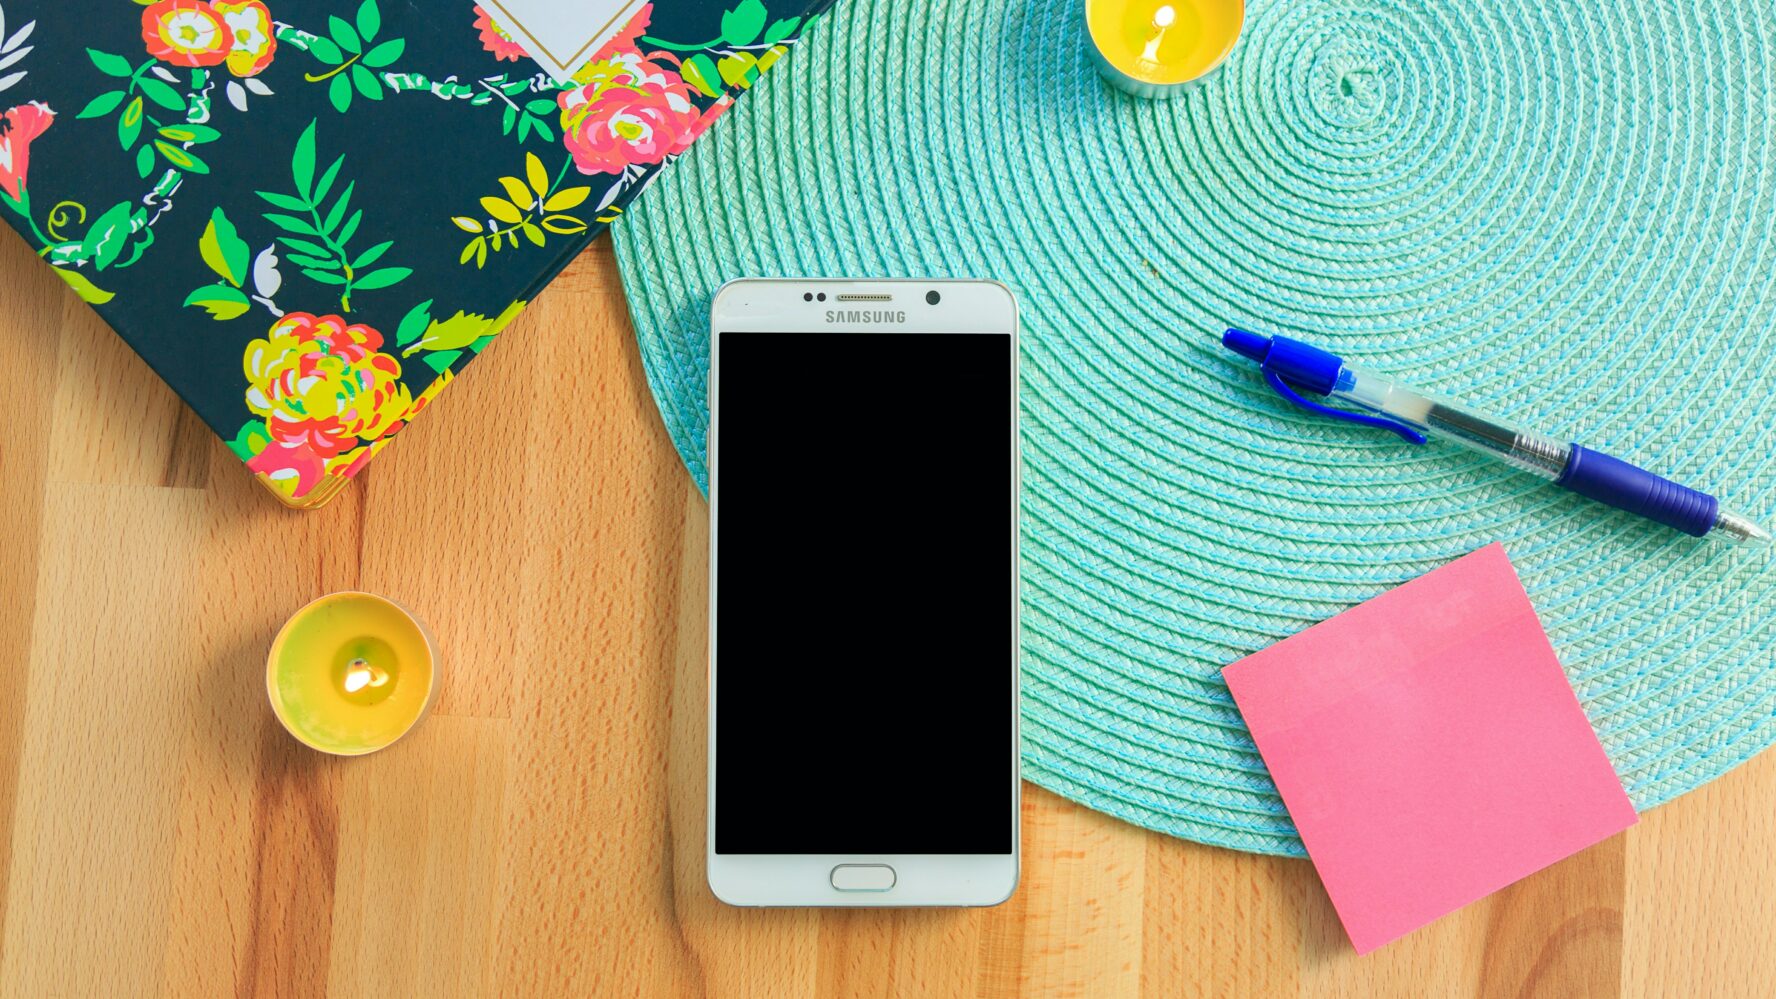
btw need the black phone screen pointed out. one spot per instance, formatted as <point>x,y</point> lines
<point>864,576</point>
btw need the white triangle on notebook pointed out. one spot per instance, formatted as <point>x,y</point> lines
<point>562,34</point>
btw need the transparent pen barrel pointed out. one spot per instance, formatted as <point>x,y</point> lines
<point>1530,451</point>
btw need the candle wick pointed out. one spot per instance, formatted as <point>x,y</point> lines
<point>360,674</point>
<point>1162,19</point>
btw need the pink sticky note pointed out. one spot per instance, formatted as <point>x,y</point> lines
<point>1429,747</point>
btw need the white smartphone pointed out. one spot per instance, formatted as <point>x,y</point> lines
<point>863,630</point>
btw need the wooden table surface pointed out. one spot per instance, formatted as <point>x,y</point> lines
<point>542,832</point>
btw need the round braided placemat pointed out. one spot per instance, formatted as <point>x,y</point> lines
<point>1562,212</point>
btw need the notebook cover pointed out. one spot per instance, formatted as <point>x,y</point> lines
<point>308,217</point>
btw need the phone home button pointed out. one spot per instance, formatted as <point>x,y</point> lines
<point>863,877</point>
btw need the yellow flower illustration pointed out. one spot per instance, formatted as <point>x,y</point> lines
<point>327,393</point>
<point>251,37</point>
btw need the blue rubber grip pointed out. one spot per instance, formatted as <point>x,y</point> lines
<point>1636,490</point>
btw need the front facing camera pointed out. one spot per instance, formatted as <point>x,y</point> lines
<point>932,298</point>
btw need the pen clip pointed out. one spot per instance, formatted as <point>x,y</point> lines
<point>1406,432</point>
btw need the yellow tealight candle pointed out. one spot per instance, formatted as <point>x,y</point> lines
<point>350,673</point>
<point>1158,48</point>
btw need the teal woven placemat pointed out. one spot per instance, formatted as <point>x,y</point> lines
<point>1564,212</point>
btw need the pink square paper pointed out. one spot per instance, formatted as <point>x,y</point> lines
<point>1429,747</point>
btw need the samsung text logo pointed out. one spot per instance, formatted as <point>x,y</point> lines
<point>864,316</point>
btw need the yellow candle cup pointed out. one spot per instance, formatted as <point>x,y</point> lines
<point>1158,48</point>
<point>350,673</point>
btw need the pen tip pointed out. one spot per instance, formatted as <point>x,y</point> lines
<point>1741,529</point>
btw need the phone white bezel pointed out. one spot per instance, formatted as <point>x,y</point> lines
<point>776,305</point>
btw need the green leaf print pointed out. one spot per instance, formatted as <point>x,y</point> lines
<point>110,65</point>
<point>343,35</point>
<point>369,20</point>
<point>781,29</point>
<point>383,277</point>
<point>302,161</point>
<point>455,333</point>
<point>339,93</point>
<point>223,250</point>
<point>143,90</point>
<point>129,124</point>
<point>108,234</point>
<point>386,53</point>
<point>290,223</point>
<point>83,286</point>
<point>250,440</point>
<point>220,301</point>
<point>441,360</point>
<point>699,71</point>
<point>414,323</point>
<point>325,51</point>
<point>195,134</point>
<point>367,83</point>
<point>340,207</point>
<point>318,232</point>
<point>372,255</point>
<point>326,182</point>
<point>101,105</point>
<point>184,159</point>
<point>347,48</point>
<point>741,26</point>
<point>304,246</point>
<point>161,93</point>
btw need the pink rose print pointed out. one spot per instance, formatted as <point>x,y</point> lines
<point>494,38</point>
<point>18,126</point>
<point>633,113</point>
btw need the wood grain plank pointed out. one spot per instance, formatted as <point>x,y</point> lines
<point>1217,921</point>
<point>589,711</point>
<point>295,860</point>
<point>1000,957</point>
<point>1085,879</point>
<point>1558,933</point>
<point>97,799</point>
<point>31,325</point>
<point>898,952</point>
<point>417,883</point>
<point>439,499</point>
<point>1702,890</point>
<point>114,420</point>
<point>247,803</point>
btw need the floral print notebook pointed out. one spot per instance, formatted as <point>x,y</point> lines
<point>309,216</point>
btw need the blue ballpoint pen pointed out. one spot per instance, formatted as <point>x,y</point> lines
<point>1292,367</point>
